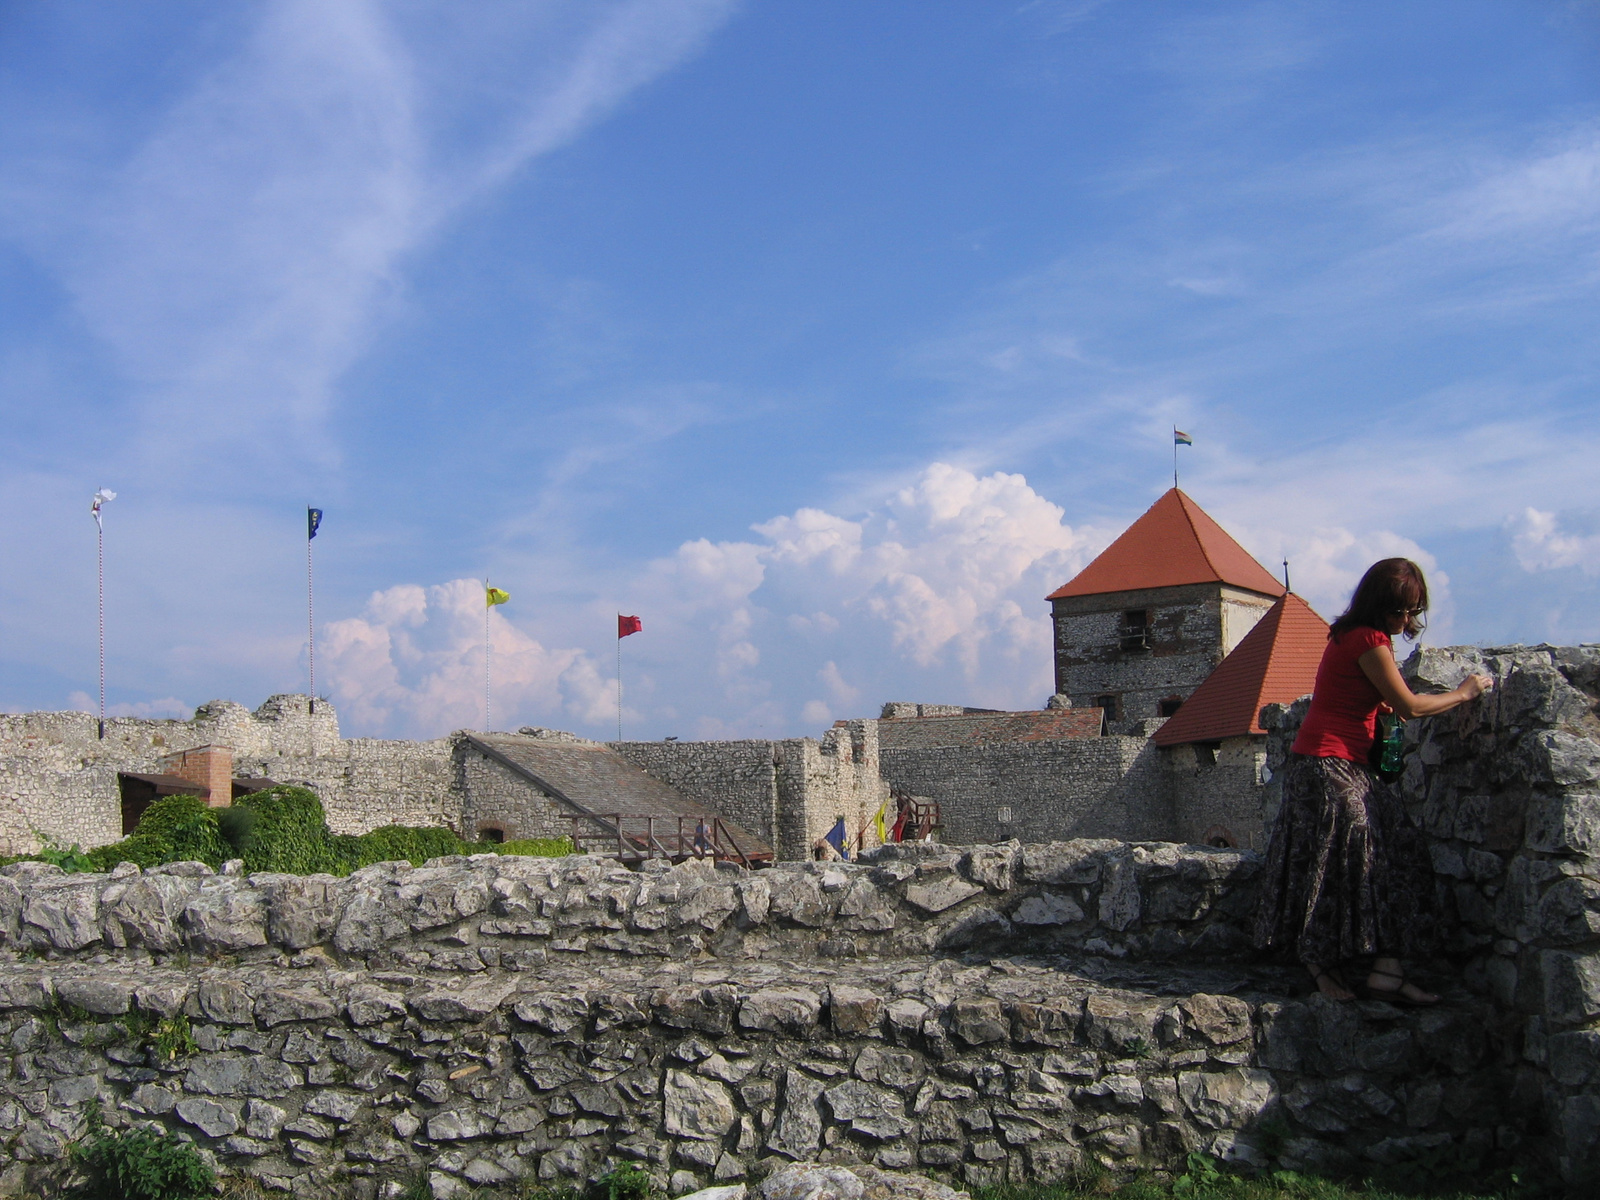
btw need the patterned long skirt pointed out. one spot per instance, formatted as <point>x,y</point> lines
<point>1347,873</point>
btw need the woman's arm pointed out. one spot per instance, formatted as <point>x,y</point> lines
<point>1378,665</point>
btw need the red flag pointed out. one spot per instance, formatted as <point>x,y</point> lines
<point>627,625</point>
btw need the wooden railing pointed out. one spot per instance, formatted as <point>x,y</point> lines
<point>631,837</point>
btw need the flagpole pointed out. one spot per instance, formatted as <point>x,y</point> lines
<point>486,608</point>
<point>619,683</point>
<point>311,625</point>
<point>100,573</point>
<point>1174,458</point>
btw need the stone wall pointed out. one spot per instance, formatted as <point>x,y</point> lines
<point>497,798</point>
<point>1216,792</point>
<point>1508,790</point>
<point>58,779</point>
<point>1003,1012</point>
<point>789,793</point>
<point>738,780</point>
<point>1082,787</point>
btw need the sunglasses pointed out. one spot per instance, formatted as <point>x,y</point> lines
<point>1407,613</point>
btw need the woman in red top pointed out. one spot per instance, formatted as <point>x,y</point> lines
<point>1347,874</point>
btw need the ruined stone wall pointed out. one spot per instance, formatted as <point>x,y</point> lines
<point>1212,792</point>
<point>737,780</point>
<point>1003,1012</point>
<point>1085,787</point>
<point>58,779</point>
<point>1508,791</point>
<point>495,797</point>
<point>820,782</point>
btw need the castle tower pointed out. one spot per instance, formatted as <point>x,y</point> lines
<point>1139,628</point>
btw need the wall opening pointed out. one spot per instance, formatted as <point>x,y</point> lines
<point>1135,633</point>
<point>491,833</point>
<point>1110,705</point>
<point>1170,706</point>
<point>1219,837</point>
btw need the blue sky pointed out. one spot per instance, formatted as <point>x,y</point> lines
<point>826,337</point>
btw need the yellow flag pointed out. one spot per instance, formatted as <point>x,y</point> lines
<point>495,596</point>
<point>877,821</point>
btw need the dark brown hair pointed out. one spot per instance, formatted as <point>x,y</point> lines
<point>1390,586</point>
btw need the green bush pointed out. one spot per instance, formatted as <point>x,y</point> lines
<point>281,829</point>
<point>173,829</point>
<point>139,1164</point>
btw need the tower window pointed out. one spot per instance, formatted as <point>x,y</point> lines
<point>1111,705</point>
<point>1135,633</point>
<point>1170,706</point>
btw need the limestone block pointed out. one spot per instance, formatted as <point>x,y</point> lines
<point>1569,911</point>
<point>1047,908</point>
<point>1221,1020</point>
<point>275,1006</point>
<point>1120,901</point>
<point>1119,1021</point>
<point>226,1000</point>
<point>164,998</point>
<point>1559,822</point>
<point>369,921</point>
<point>978,1020</point>
<point>993,867</point>
<point>941,893</point>
<point>302,910</point>
<point>695,1107</point>
<point>973,927</point>
<point>10,910</point>
<point>1556,756</point>
<point>225,918</point>
<point>707,907</point>
<point>853,1010</point>
<point>459,1125</point>
<point>792,1011</point>
<point>109,997</point>
<point>1227,1099</point>
<point>874,1112</point>
<point>1571,986</point>
<point>262,1120</point>
<point>211,1118</point>
<point>707,1009</point>
<point>1052,1022</point>
<point>798,1131</point>
<point>64,914</point>
<point>797,898</point>
<point>470,1002</point>
<point>555,1013</point>
<point>370,1005</point>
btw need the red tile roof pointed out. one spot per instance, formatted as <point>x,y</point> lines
<point>1174,543</point>
<point>1274,664</point>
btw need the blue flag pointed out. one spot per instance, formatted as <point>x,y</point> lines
<point>313,522</point>
<point>836,838</point>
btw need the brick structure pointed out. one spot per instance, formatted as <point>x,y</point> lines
<point>209,768</point>
<point>1139,628</point>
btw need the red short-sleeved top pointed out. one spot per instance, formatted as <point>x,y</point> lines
<point>1344,705</point>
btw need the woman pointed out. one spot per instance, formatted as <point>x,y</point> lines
<point>1347,874</point>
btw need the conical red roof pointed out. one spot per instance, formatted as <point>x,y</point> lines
<point>1275,663</point>
<point>1174,543</point>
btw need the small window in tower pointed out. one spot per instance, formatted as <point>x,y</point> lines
<point>491,833</point>
<point>1136,629</point>
<point>1170,706</point>
<point>1111,706</point>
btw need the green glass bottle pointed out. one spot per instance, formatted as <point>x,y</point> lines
<point>1392,740</point>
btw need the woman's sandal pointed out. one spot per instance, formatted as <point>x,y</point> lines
<point>1396,994</point>
<point>1334,978</point>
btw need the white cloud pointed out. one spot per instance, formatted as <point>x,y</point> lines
<point>413,663</point>
<point>169,707</point>
<point>1541,544</point>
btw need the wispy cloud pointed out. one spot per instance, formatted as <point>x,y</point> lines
<point>241,258</point>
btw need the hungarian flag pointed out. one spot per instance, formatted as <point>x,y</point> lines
<point>1179,438</point>
<point>493,596</point>
<point>627,625</point>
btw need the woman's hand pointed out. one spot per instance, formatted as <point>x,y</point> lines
<point>1378,665</point>
<point>1474,686</point>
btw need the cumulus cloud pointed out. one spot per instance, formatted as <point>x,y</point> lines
<point>943,581</point>
<point>413,662</point>
<point>1542,544</point>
